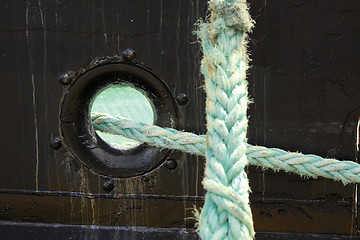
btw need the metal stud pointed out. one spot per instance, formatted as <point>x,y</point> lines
<point>129,54</point>
<point>171,164</point>
<point>65,79</point>
<point>55,143</point>
<point>109,185</point>
<point>182,99</point>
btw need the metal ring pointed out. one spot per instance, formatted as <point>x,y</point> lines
<point>79,135</point>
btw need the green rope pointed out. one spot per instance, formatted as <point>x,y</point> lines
<point>267,158</point>
<point>226,213</point>
<point>151,134</point>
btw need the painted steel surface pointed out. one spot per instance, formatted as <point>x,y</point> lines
<point>304,81</point>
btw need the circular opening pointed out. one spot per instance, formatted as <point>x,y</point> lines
<point>83,98</point>
<point>123,101</point>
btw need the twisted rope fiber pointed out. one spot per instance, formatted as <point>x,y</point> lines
<point>226,213</point>
<point>267,158</point>
<point>151,134</point>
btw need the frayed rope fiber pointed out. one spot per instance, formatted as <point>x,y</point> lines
<point>226,213</point>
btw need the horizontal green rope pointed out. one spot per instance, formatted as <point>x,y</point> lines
<point>151,134</point>
<point>272,158</point>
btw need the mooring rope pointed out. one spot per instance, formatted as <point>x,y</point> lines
<point>267,158</point>
<point>226,213</point>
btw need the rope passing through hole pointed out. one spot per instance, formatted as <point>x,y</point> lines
<point>226,213</point>
<point>306,165</point>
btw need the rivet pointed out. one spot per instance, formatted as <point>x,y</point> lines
<point>182,99</point>
<point>171,164</point>
<point>108,186</point>
<point>129,54</point>
<point>55,143</point>
<point>65,79</point>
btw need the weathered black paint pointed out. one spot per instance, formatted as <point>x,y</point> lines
<point>304,82</point>
<point>37,231</point>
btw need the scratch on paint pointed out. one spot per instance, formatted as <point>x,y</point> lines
<point>83,190</point>
<point>45,51</point>
<point>355,207</point>
<point>33,100</point>
<point>93,211</point>
<point>103,21</point>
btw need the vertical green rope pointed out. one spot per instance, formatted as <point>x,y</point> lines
<point>226,213</point>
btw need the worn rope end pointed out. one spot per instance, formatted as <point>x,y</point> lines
<point>225,14</point>
<point>234,13</point>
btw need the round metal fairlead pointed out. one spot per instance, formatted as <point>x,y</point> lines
<point>85,144</point>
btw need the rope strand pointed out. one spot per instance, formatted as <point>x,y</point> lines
<point>266,158</point>
<point>226,213</point>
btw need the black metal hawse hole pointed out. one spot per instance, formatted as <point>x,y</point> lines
<point>80,137</point>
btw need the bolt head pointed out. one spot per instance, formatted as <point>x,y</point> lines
<point>65,79</point>
<point>55,143</point>
<point>171,164</point>
<point>129,54</point>
<point>108,186</point>
<point>182,99</point>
